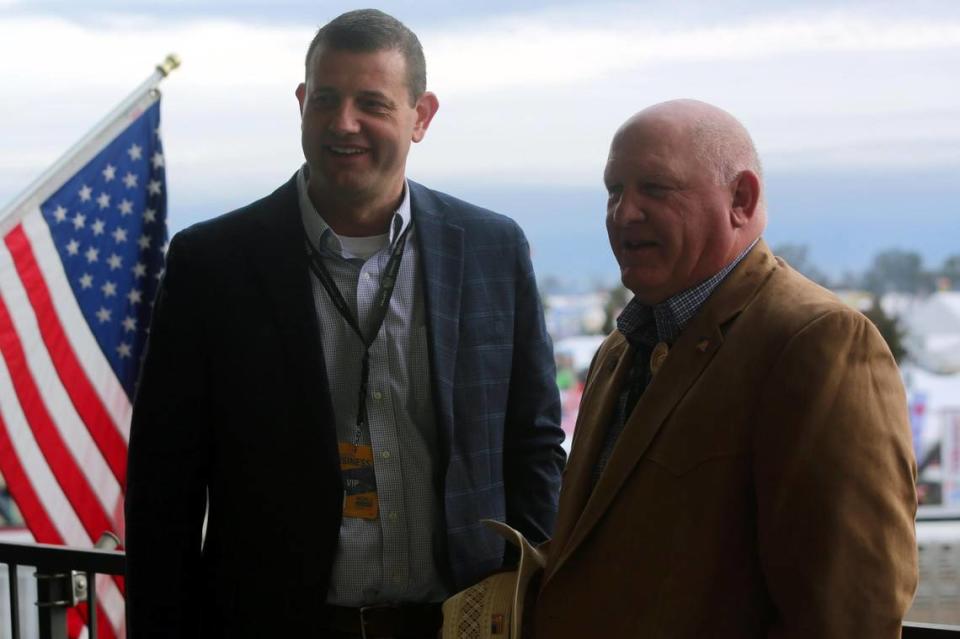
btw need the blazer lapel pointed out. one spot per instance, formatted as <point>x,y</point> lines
<point>281,272</point>
<point>607,376</point>
<point>440,244</point>
<point>689,356</point>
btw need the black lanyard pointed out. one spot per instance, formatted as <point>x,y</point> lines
<point>381,304</point>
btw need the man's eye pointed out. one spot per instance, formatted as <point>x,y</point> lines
<point>613,192</point>
<point>655,189</point>
<point>375,106</point>
<point>323,101</point>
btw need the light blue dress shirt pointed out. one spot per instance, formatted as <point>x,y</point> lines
<point>392,558</point>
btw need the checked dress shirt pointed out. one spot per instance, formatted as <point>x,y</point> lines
<point>644,326</point>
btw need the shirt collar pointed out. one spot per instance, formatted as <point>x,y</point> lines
<point>319,232</point>
<point>663,322</point>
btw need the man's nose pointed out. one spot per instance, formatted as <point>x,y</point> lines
<point>345,119</point>
<point>627,208</point>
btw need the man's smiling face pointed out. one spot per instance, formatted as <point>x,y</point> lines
<point>667,218</point>
<point>358,120</point>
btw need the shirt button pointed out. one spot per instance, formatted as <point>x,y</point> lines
<point>385,454</point>
<point>377,395</point>
<point>394,516</point>
<point>366,275</point>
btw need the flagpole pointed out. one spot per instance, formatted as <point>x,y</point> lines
<point>75,156</point>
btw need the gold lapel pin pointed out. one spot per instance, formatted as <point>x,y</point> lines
<point>658,356</point>
<point>703,345</point>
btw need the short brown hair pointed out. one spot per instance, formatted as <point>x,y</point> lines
<point>369,30</point>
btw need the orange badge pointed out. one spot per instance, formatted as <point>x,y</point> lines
<point>359,481</point>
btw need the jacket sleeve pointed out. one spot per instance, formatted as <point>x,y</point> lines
<point>533,452</point>
<point>166,480</point>
<point>835,476</point>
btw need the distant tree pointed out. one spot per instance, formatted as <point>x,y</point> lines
<point>797,256</point>
<point>951,271</point>
<point>889,327</point>
<point>849,280</point>
<point>616,301</point>
<point>898,271</point>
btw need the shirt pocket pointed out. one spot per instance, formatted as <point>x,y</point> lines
<point>687,444</point>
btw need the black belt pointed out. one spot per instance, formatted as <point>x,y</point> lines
<point>404,621</point>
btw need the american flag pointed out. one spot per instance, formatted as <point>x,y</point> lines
<point>79,266</point>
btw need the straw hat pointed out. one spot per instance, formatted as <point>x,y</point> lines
<point>493,608</point>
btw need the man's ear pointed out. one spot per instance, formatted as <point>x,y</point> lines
<point>426,108</point>
<point>745,191</point>
<point>301,95</point>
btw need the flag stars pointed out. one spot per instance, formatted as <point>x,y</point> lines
<point>107,227</point>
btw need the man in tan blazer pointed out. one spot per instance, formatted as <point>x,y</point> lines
<point>742,464</point>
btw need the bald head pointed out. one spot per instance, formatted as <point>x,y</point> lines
<point>684,188</point>
<point>715,137</point>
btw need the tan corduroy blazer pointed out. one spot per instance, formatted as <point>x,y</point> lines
<point>762,487</point>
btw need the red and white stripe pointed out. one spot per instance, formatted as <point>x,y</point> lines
<point>64,417</point>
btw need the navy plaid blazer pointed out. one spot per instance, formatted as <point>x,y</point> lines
<point>233,409</point>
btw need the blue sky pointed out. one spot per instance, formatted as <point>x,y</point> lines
<point>855,107</point>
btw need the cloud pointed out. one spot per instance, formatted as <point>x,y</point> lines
<point>527,98</point>
<point>816,88</point>
<point>567,48</point>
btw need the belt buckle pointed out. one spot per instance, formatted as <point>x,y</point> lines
<point>363,617</point>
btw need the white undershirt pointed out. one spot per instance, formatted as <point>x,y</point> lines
<point>362,247</point>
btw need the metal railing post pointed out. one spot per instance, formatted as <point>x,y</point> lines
<point>92,604</point>
<point>14,602</point>
<point>57,591</point>
<point>64,577</point>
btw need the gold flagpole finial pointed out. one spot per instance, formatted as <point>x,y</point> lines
<point>171,62</point>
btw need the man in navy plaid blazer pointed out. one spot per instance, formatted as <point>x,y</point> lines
<point>247,405</point>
